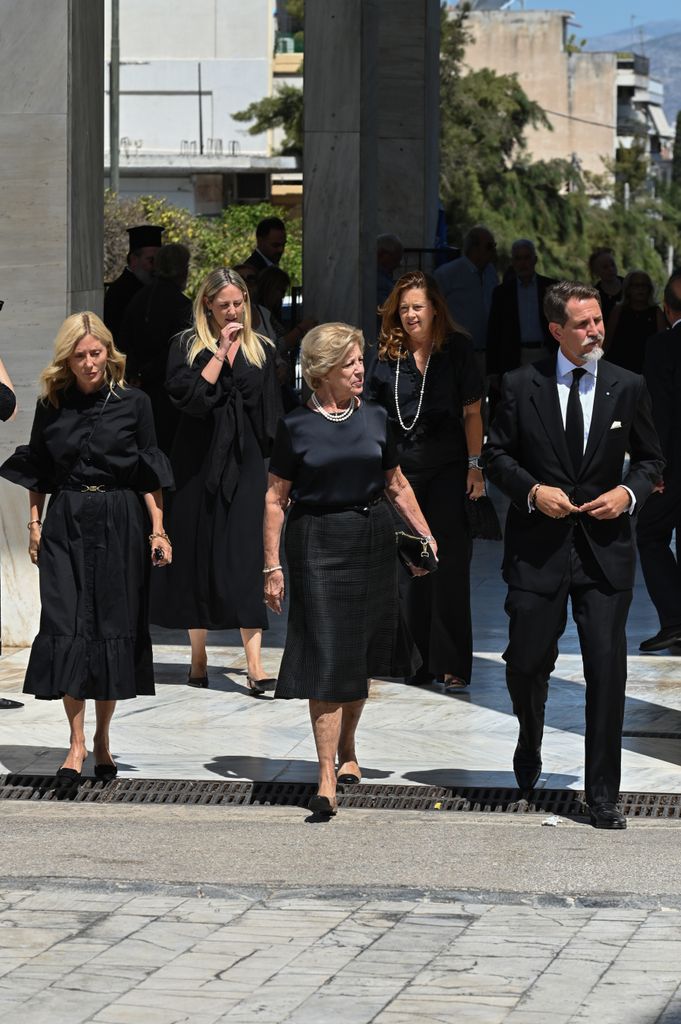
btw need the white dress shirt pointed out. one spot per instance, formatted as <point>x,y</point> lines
<point>587,391</point>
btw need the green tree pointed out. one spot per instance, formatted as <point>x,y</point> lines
<point>283,110</point>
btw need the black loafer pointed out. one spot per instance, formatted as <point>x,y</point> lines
<point>67,776</point>
<point>669,636</point>
<point>606,816</point>
<point>527,768</point>
<point>6,704</point>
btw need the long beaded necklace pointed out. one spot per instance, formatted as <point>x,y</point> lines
<point>335,417</point>
<point>397,386</point>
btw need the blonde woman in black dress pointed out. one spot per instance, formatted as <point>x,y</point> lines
<point>93,449</point>
<point>335,459</point>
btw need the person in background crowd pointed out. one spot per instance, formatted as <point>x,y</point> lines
<point>145,241</point>
<point>633,321</point>
<point>517,332</point>
<point>603,270</point>
<point>426,377</point>
<point>153,317</point>
<point>93,449</point>
<point>556,448</point>
<point>389,252</point>
<point>8,410</point>
<point>335,458</point>
<point>467,284</point>
<point>221,377</point>
<point>661,515</point>
<point>270,242</point>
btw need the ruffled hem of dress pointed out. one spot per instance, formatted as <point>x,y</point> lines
<point>118,668</point>
<point>154,470</point>
<point>21,468</point>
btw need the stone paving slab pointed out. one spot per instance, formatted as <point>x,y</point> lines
<point>137,954</point>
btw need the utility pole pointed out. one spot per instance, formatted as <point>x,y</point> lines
<point>114,98</point>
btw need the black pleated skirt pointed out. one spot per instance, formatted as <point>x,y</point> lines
<point>344,622</point>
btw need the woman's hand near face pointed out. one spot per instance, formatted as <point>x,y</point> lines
<point>475,484</point>
<point>228,335</point>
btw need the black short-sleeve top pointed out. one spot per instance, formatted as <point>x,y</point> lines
<point>453,381</point>
<point>331,463</point>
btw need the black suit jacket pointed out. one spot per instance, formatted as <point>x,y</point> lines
<point>662,371</point>
<point>503,326</point>
<point>151,319</point>
<point>257,261</point>
<point>527,445</point>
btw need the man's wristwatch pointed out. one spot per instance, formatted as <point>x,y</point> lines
<point>474,462</point>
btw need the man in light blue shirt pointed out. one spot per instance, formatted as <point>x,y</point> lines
<point>467,284</point>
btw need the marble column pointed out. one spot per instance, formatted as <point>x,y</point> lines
<point>371,145</point>
<point>51,139</point>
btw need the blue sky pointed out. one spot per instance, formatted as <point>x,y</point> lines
<point>597,17</point>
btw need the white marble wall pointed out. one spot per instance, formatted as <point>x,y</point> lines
<point>51,99</point>
<point>371,145</point>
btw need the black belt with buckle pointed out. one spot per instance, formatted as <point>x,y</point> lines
<point>90,488</point>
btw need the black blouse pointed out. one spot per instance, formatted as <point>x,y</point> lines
<point>121,450</point>
<point>7,402</point>
<point>334,463</point>
<point>452,382</point>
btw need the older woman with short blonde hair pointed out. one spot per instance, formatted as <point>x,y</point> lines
<point>335,460</point>
<point>93,449</point>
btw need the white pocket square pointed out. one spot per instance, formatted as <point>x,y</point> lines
<point>616,425</point>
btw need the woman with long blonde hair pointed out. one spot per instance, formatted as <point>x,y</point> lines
<point>221,377</point>
<point>93,449</point>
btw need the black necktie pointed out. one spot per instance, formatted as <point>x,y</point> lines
<point>574,422</point>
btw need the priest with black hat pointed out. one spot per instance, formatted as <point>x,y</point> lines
<point>145,241</point>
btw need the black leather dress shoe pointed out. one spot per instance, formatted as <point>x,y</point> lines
<point>667,637</point>
<point>527,768</point>
<point>606,816</point>
<point>6,704</point>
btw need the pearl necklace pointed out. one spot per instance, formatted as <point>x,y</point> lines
<point>335,417</point>
<point>423,388</point>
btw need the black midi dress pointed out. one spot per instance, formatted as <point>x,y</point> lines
<point>433,457</point>
<point>344,623</point>
<point>214,517</point>
<point>94,558</point>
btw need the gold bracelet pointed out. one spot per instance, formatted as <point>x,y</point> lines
<point>32,522</point>
<point>164,535</point>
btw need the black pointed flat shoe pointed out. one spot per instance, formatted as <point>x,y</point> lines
<point>200,682</point>
<point>106,772</point>
<point>321,805</point>
<point>6,704</point>
<point>348,779</point>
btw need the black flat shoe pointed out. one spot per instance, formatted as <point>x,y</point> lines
<point>6,704</point>
<point>348,779</point>
<point>106,772</point>
<point>321,805</point>
<point>527,768</point>
<point>260,686</point>
<point>68,776</point>
<point>606,816</point>
<point>200,682</point>
<point>669,636</point>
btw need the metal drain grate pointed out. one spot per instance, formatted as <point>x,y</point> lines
<point>567,803</point>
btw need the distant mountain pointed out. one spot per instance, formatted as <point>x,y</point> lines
<point>661,42</point>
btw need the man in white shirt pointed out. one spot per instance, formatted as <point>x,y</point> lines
<point>557,447</point>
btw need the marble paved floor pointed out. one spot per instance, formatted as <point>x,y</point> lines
<point>170,955</point>
<point>417,736</point>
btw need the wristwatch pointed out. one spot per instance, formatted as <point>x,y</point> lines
<point>474,462</point>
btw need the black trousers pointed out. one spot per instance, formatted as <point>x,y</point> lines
<point>437,608</point>
<point>536,623</point>
<point>657,520</point>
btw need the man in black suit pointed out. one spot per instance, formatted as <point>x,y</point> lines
<point>517,330</point>
<point>270,242</point>
<point>662,514</point>
<point>556,448</point>
<point>144,242</point>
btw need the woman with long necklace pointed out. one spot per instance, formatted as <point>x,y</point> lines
<point>335,459</point>
<point>427,379</point>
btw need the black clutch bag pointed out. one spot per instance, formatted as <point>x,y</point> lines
<point>415,551</point>
<point>482,519</point>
